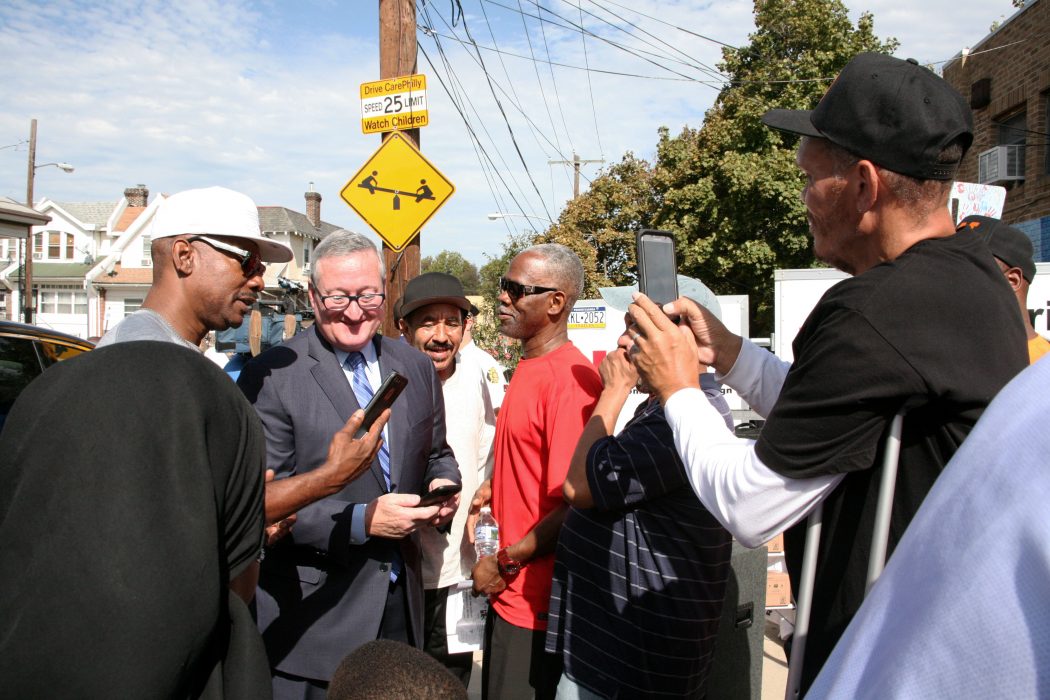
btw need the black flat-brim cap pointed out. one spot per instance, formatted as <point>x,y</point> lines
<point>897,114</point>
<point>433,288</point>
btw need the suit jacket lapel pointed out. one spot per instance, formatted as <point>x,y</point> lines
<point>332,380</point>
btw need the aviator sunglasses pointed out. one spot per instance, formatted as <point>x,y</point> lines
<point>517,290</point>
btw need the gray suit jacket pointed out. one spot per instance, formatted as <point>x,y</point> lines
<point>319,596</point>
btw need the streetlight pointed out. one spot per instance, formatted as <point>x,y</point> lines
<point>500,215</point>
<point>27,275</point>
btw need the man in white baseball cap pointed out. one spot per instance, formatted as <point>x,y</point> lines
<point>208,265</point>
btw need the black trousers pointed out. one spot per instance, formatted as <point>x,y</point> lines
<point>435,640</point>
<point>516,666</point>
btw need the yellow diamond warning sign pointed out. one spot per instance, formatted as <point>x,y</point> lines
<point>397,191</point>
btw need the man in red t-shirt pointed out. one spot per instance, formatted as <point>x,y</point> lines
<point>549,400</point>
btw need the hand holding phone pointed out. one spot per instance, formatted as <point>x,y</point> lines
<point>383,399</point>
<point>439,495</point>
<point>657,269</point>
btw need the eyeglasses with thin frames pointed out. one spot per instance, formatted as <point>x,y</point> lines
<point>517,290</point>
<point>251,263</point>
<point>339,302</point>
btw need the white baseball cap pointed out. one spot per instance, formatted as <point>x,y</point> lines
<point>216,211</point>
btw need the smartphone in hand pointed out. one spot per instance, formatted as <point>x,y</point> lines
<point>383,399</point>
<point>438,495</point>
<point>657,269</point>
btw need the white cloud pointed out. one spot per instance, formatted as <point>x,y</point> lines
<point>263,97</point>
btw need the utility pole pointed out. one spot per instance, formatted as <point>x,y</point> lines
<point>575,163</point>
<point>27,268</point>
<point>397,57</point>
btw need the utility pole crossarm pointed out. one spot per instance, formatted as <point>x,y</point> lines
<point>576,162</point>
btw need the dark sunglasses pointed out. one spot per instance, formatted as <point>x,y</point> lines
<point>251,263</point>
<point>517,290</point>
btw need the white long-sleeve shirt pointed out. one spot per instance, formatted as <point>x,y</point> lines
<point>751,500</point>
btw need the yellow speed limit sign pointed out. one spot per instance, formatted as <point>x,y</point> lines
<point>394,104</point>
<point>397,191</point>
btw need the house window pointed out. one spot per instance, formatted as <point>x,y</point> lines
<point>1013,132</point>
<point>307,245</point>
<point>147,256</point>
<point>61,299</point>
<point>131,306</point>
<point>38,245</point>
<point>59,246</point>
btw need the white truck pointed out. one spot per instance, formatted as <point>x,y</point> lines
<point>796,292</point>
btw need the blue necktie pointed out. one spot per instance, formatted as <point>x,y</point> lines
<point>363,392</point>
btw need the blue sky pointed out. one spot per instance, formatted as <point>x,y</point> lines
<point>263,96</point>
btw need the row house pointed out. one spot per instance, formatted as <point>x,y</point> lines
<point>1006,79</point>
<point>92,264</point>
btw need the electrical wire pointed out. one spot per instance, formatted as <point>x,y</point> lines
<point>554,85</point>
<point>590,88</point>
<point>510,129</point>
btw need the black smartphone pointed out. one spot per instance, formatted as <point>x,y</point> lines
<point>383,399</point>
<point>657,269</point>
<point>432,498</point>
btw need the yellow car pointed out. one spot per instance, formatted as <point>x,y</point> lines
<point>25,352</point>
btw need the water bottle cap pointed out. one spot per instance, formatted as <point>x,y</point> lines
<point>486,509</point>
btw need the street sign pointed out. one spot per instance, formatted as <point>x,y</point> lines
<point>397,191</point>
<point>393,104</point>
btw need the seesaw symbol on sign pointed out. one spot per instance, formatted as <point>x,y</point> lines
<point>371,183</point>
<point>384,193</point>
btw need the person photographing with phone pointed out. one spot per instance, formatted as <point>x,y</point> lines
<point>350,570</point>
<point>925,322</point>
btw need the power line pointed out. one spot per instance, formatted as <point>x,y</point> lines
<point>554,84</point>
<point>689,61</point>
<point>499,105</point>
<point>590,88</point>
<point>673,26</point>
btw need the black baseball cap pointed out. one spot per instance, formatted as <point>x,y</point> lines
<point>1007,243</point>
<point>894,113</point>
<point>433,288</point>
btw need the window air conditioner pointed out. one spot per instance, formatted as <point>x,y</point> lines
<point>1000,164</point>
<point>147,262</point>
<point>38,256</point>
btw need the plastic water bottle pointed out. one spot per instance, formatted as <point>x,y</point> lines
<point>486,534</point>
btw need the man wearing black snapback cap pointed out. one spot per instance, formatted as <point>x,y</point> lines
<point>1014,252</point>
<point>925,322</point>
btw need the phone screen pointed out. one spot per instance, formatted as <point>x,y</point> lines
<point>657,271</point>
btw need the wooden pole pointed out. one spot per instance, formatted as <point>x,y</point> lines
<point>27,269</point>
<point>397,57</point>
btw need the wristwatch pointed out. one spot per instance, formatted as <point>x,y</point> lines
<point>507,565</point>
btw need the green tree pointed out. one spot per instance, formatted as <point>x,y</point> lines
<point>456,265</point>
<point>601,224</point>
<point>731,188</point>
<point>486,327</point>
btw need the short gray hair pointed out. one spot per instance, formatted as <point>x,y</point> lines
<point>340,243</point>
<point>564,265</point>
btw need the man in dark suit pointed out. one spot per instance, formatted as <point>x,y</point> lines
<point>349,572</point>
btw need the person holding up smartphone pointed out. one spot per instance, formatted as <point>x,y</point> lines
<point>350,570</point>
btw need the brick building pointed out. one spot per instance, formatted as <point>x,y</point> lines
<point>1006,77</point>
